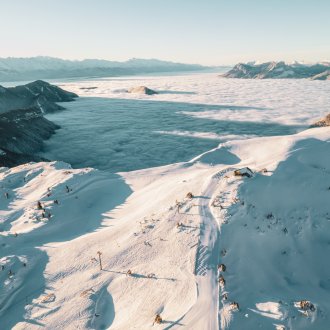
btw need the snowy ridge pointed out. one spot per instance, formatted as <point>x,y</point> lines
<point>161,247</point>
<point>278,70</point>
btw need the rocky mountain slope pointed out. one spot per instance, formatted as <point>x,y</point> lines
<point>23,127</point>
<point>322,122</point>
<point>278,70</point>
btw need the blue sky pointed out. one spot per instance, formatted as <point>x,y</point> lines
<point>211,32</point>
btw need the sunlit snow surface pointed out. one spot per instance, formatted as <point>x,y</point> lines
<point>117,131</point>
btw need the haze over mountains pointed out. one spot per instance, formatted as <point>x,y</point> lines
<point>44,67</point>
<point>40,67</point>
<point>280,70</point>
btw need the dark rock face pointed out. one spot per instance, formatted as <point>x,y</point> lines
<point>322,123</point>
<point>23,127</point>
<point>38,94</point>
<point>275,70</point>
<point>11,159</point>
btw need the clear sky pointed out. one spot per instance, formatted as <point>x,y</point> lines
<point>211,32</point>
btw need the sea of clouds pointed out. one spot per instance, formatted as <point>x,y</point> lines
<point>110,129</point>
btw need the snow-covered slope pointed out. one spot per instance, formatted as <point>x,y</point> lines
<point>161,247</point>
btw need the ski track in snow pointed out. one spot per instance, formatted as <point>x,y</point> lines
<point>208,258</point>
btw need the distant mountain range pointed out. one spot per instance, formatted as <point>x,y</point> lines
<point>280,70</point>
<point>22,69</point>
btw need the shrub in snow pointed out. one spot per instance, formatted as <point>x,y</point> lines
<point>306,305</point>
<point>222,281</point>
<point>87,293</point>
<point>48,298</point>
<point>222,268</point>
<point>234,306</point>
<point>158,319</point>
<point>216,203</point>
<point>178,206</point>
<point>235,200</point>
<point>190,195</point>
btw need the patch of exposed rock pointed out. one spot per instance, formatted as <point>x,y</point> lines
<point>323,122</point>
<point>142,90</point>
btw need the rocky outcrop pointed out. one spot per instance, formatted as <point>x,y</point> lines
<point>275,70</point>
<point>23,128</point>
<point>142,90</point>
<point>39,94</point>
<point>322,123</point>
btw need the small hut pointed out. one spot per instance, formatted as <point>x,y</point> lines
<point>245,171</point>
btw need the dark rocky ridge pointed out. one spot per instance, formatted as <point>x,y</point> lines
<point>275,70</point>
<point>23,127</point>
